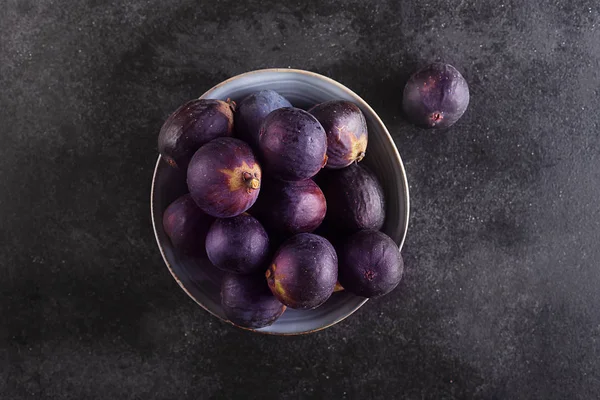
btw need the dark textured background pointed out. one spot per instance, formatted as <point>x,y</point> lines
<point>501,295</point>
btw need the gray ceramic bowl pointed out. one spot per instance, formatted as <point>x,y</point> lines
<point>200,280</point>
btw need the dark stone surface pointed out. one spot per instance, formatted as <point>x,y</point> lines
<point>500,300</point>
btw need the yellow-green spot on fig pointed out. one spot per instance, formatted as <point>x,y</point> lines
<point>271,271</point>
<point>359,147</point>
<point>244,176</point>
<point>279,288</point>
<point>275,283</point>
<point>227,108</point>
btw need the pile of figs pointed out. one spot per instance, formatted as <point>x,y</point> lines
<point>279,200</point>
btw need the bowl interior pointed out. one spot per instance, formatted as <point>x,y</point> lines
<point>303,89</point>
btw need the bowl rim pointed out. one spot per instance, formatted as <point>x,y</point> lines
<point>365,105</point>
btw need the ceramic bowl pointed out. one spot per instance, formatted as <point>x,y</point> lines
<point>200,280</point>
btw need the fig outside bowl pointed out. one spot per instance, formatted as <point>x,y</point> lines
<point>200,280</point>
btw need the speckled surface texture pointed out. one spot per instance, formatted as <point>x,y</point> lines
<point>500,299</point>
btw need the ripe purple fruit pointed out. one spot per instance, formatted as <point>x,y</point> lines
<point>287,208</point>
<point>436,96</point>
<point>247,301</point>
<point>354,199</point>
<point>346,130</point>
<point>186,225</point>
<point>304,271</point>
<point>192,125</point>
<point>253,110</point>
<point>293,144</point>
<point>370,264</point>
<point>224,178</point>
<point>239,245</point>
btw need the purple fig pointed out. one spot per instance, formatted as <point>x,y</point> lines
<point>346,130</point>
<point>293,144</point>
<point>354,199</point>
<point>436,96</point>
<point>191,126</point>
<point>186,225</point>
<point>370,264</point>
<point>224,177</point>
<point>239,245</point>
<point>287,208</point>
<point>247,301</point>
<point>252,111</point>
<point>304,271</point>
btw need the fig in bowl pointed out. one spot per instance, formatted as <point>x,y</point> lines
<point>293,144</point>
<point>187,225</point>
<point>287,208</point>
<point>191,126</point>
<point>224,177</point>
<point>239,245</point>
<point>355,198</point>
<point>304,271</point>
<point>346,130</point>
<point>248,302</point>
<point>252,111</point>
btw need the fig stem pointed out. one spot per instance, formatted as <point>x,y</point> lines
<point>361,155</point>
<point>172,162</point>
<point>251,182</point>
<point>232,104</point>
